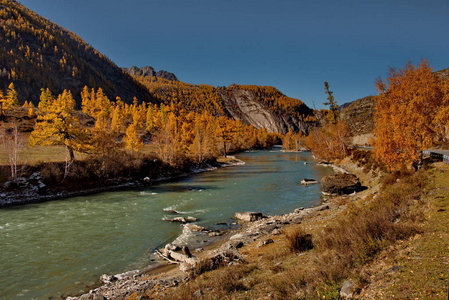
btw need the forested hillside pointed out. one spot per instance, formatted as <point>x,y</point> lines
<point>260,106</point>
<point>37,53</point>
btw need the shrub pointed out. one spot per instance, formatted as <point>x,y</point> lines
<point>299,241</point>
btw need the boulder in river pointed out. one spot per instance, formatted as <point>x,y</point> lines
<point>191,219</point>
<point>306,181</point>
<point>249,216</point>
<point>182,220</point>
<point>177,219</point>
<point>340,184</point>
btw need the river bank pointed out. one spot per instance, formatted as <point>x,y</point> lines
<point>85,237</point>
<point>32,189</point>
<point>230,247</point>
<point>157,279</point>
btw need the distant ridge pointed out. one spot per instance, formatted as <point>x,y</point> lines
<point>36,53</point>
<point>149,71</point>
<point>443,73</point>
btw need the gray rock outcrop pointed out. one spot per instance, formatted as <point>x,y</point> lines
<point>246,106</point>
<point>340,184</point>
<point>149,71</point>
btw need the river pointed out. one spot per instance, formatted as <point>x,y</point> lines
<point>58,248</point>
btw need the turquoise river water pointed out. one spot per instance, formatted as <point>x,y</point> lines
<point>60,248</point>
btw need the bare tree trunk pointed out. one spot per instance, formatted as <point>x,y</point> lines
<point>13,144</point>
<point>69,161</point>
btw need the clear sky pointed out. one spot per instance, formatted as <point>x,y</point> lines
<point>294,45</point>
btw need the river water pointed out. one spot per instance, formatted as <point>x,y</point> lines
<point>61,247</point>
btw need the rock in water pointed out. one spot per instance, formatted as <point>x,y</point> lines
<point>306,181</point>
<point>178,219</point>
<point>249,216</point>
<point>340,184</point>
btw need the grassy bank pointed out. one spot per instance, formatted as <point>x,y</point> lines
<point>389,244</point>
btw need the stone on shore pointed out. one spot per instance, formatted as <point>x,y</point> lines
<point>347,289</point>
<point>265,242</point>
<point>194,227</point>
<point>340,184</point>
<point>249,216</point>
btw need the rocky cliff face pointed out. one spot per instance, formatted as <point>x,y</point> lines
<point>245,105</point>
<point>242,105</point>
<point>359,115</point>
<point>149,71</point>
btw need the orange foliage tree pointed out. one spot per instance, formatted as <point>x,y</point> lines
<point>406,115</point>
<point>329,142</point>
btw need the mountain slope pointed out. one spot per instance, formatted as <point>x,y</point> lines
<point>37,53</point>
<point>261,106</point>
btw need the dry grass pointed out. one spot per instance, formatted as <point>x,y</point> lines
<point>298,240</point>
<point>417,268</point>
<point>343,248</point>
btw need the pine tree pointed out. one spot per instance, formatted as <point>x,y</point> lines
<point>332,103</point>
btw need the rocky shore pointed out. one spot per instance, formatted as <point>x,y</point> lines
<point>254,227</point>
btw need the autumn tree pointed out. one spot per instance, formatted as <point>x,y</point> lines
<point>224,132</point>
<point>406,115</point>
<point>330,141</point>
<point>292,141</point>
<point>332,103</point>
<point>13,144</point>
<point>118,116</point>
<point>57,124</point>
<point>132,139</point>
<point>12,99</point>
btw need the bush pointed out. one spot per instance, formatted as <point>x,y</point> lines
<point>299,241</point>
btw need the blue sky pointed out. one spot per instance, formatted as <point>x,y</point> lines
<point>294,45</point>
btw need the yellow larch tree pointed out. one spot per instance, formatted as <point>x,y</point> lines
<point>406,111</point>
<point>132,139</point>
<point>11,99</point>
<point>57,125</point>
<point>118,116</point>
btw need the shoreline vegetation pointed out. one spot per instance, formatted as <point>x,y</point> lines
<point>31,195</point>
